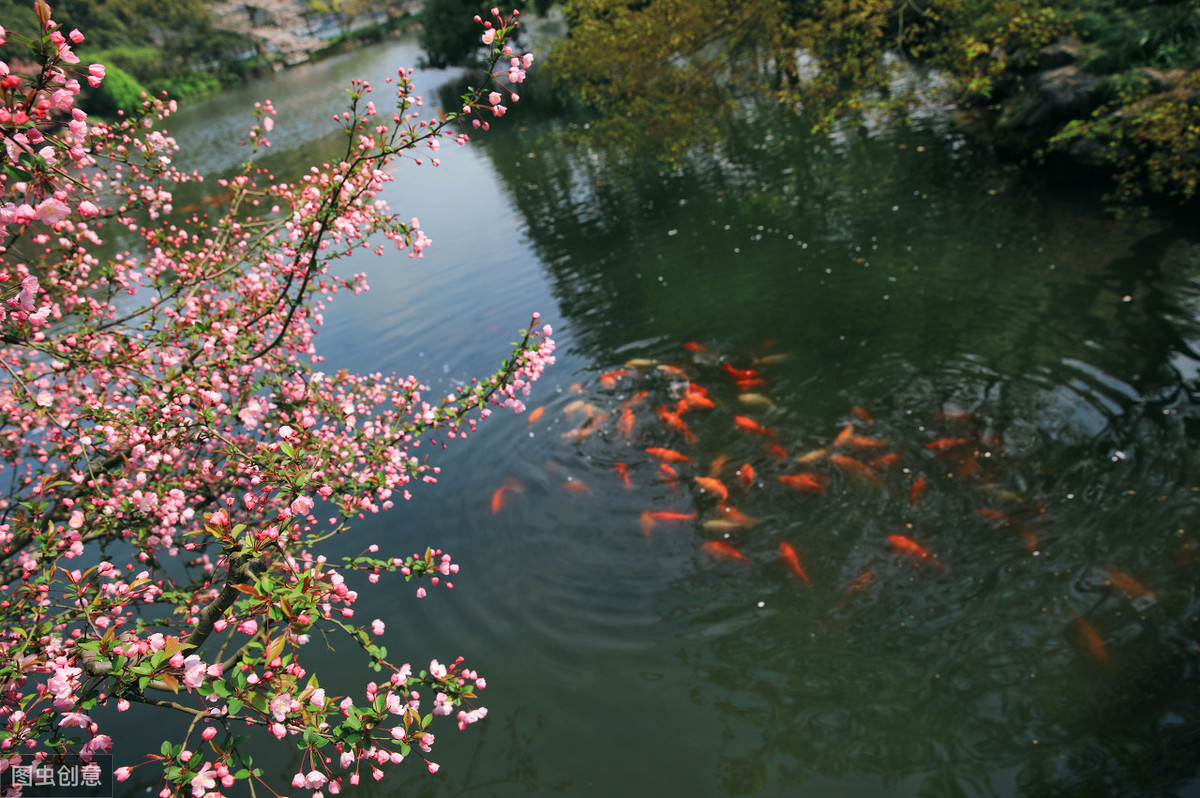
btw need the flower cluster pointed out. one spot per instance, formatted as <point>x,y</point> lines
<point>164,405</point>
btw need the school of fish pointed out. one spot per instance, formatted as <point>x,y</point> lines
<point>648,409</point>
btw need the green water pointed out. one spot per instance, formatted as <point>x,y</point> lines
<point>902,273</point>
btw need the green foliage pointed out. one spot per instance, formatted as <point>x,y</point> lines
<point>1130,34</point>
<point>1150,138</point>
<point>448,35</point>
<point>119,91</point>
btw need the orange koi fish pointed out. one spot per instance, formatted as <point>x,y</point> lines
<point>647,523</point>
<point>746,474</point>
<point>625,423</point>
<point>753,382</point>
<point>863,442</point>
<point>673,422</point>
<point>776,451</point>
<point>853,468</point>
<point>673,371</point>
<point>911,548</point>
<point>1123,581</point>
<point>622,470</point>
<point>666,515</point>
<point>694,347</point>
<point>855,587</point>
<point>746,424</point>
<point>635,400</point>
<point>858,584</point>
<point>946,444</point>
<point>713,486</point>
<point>609,379</point>
<point>792,559</point>
<point>843,436</point>
<point>914,493</point>
<point>670,476</point>
<point>577,389</point>
<point>812,457</point>
<point>586,427</point>
<point>694,400</point>
<point>1090,639</point>
<point>995,515</point>
<point>536,413</point>
<point>667,455</point>
<point>498,499</point>
<point>575,486</point>
<point>862,415</point>
<point>805,482</point>
<point>578,406</point>
<point>714,470</point>
<point>723,551</point>
<point>885,461</point>
<point>739,374</point>
<point>736,516</point>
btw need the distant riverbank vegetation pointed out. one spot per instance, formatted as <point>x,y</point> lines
<point>192,47</point>
<point>1108,84</point>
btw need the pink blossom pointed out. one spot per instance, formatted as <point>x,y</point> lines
<point>95,74</point>
<point>193,671</point>
<point>301,506</point>
<point>377,627</point>
<point>489,35</point>
<point>494,98</point>
<point>204,780</point>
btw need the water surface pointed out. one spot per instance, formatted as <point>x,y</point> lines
<point>902,273</point>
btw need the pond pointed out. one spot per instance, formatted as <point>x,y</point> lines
<point>978,572</point>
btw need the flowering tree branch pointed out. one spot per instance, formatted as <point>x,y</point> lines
<point>161,407</point>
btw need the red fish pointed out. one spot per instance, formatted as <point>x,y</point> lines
<point>746,474</point>
<point>609,379</point>
<point>673,422</point>
<point>739,374</point>
<point>713,486</point>
<point>723,551</point>
<point>1123,581</point>
<point>623,470</point>
<point>636,399</point>
<point>885,461</point>
<point>792,559</point>
<point>843,436</point>
<point>804,482</point>
<point>667,455</point>
<point>670,476</point>
<point>667,515</point>
<point>914,493</point>
<point>498,498</point>
<point>625,423</point>
<point>776,451</point>
<point>853,468</point>
<point>735,515</point>
<point>911,548</point>
<point>714,469</point>
<point>946,444</point>
<point>692,346</point>
<point>995,515</point>
<point>746,424</point>
<point>1090,639</point>
<point>647,523</point>
<point>673,371</point>
<point>576,487</point>
<point>536,413</point>
<point>863,442</point>
<point>862,415</point>
<point>753,382</point>
<point>694,400</point>
<point>858,584</point>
